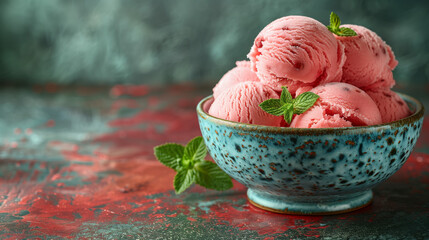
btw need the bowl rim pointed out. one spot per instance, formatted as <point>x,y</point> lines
<point>416,116</point>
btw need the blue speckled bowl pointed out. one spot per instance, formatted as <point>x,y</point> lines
<point>310,171</point>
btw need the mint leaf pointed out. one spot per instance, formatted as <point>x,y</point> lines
<point>285,96</point>
<point>334,21</point>
<point>209,175</point>
<point>191,167</point>
<point>286,106</point>
<point>334,27</point>
<point>183,179</point>
<point>346,32</point>
<point>304,101</point>
<point>170,155</point>
<point>289,114</point>
<point>195,150</point>
<point>272,106</point>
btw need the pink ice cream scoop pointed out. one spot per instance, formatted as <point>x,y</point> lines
<point>240,103</point>
<point>392,107</point>
<point>241,73</point>
<point>339,105</point>
<point>369,60</point>
<point>297,51</point>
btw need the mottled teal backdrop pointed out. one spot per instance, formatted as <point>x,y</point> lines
<point>169,41</point>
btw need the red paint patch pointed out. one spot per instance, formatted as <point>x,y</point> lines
<point>414,167</point>
<point>52,87</point>
<point>263,222</point>
<point>153,101</point>
<point>50,123</point>
<point>131,90</point>
<point>63,146</point>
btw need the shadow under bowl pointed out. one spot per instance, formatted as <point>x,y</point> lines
<point>310,171</point>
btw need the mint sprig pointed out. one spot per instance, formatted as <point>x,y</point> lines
<point>286,106</point>
<point>191,167</point>
<point>335,28</point>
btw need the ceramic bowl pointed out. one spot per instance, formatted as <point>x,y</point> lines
<point>310,171</point>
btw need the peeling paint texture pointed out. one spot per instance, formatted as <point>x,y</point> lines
<point>77,162</point>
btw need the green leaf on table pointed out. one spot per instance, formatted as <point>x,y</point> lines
<point>183,179</point>
<point>191,167</point>
<point>304,101</point>
<point>209,175</point>
<point>195,150</point>
<point>335,28</point>
<point>170,154</point>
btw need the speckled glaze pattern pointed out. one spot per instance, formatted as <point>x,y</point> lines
<point>310,171</point>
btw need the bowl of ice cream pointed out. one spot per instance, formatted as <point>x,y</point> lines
<point>310,170</point>
<point>310,124</point>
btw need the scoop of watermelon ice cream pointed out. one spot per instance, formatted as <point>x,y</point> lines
<point>240,103</point>
<point>369,60</point>
<point>392,107</point>
<point>297,51</point>
<point>339,105</point>
<point>241,73</point>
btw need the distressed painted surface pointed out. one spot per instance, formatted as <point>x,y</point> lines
<point>78,163</point>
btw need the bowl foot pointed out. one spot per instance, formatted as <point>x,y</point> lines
<point>285,205</point>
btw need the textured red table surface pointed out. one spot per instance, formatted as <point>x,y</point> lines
<point>78,163</point>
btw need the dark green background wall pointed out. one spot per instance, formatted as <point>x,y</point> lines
<point>166,41</point>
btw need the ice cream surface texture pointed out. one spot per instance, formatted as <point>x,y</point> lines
<point>240,103</point>
<point>392,107</point>
<point>339,105</point>
<point>297,51</point>
<point>351,74</point>
<point>241,73</point>
<point>369,60</point>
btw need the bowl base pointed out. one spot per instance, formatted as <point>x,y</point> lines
<point>284,205</point>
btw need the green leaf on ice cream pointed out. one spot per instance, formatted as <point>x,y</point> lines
<point>288,115</point>
<point>346,32</point>
<point>286,106</point>
<point>273,107</point>
<point>285,97</point>
<point>303,102</point>
<point>188,161</point>
<point>335,28</point>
